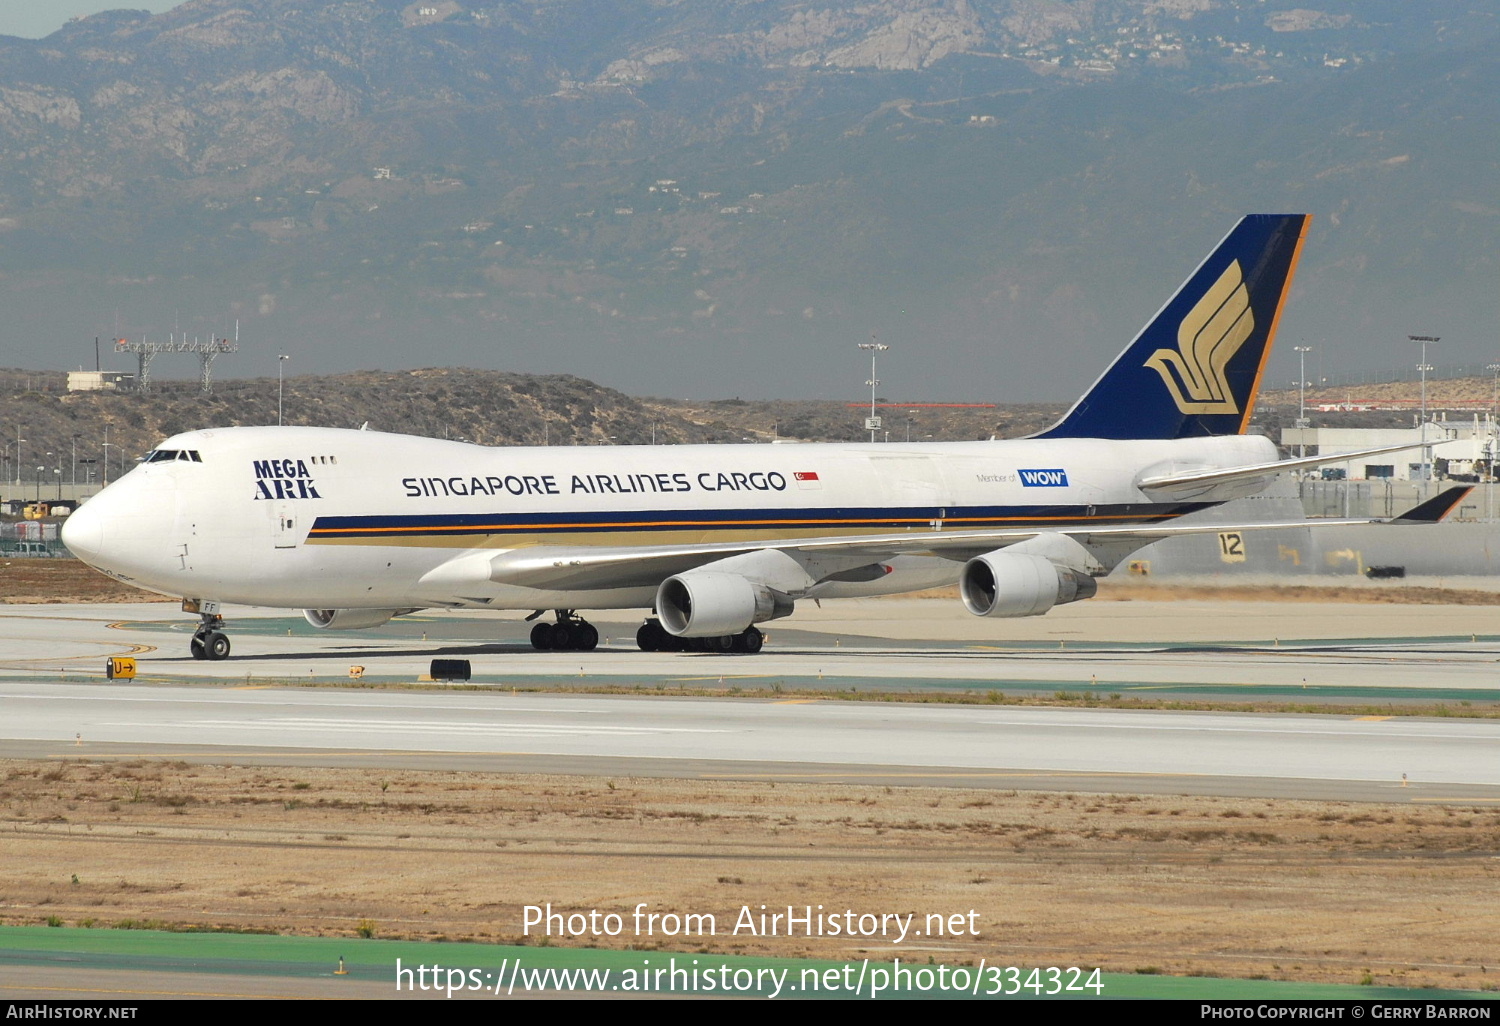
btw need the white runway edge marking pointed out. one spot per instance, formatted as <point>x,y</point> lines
<point>419,726</point>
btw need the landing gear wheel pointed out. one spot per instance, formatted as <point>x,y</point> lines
<point>585,636</point>
<point>653,637</point>
<point>569,632</point>
<point>749,641</point>
<point>541,637</point>
<point>209,642</point>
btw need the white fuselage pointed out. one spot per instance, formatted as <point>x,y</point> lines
<point>314,517</point>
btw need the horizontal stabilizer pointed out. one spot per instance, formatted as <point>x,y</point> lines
<point>1198,478</point>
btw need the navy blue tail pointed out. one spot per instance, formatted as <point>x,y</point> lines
<point>1195,368</point>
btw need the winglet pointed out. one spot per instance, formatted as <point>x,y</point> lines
<point>1195,369</point>
<point>1435,508</point>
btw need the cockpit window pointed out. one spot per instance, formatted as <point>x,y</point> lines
<point>163,455</point>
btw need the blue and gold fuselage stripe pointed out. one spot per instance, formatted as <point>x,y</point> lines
<point>846,518</point>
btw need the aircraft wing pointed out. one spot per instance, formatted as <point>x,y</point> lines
<point>554,567</point>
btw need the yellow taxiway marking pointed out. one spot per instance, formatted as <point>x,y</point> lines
<point>163,993</point>
<point>798,701</point>
<point>23,664</point>
<point>1371,719</point>
<point>729,676</point>
<point>1182,684</point>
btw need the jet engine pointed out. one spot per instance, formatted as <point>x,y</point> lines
<point>350,619</point>
<point>1004,583</point>
<point>706,603</point>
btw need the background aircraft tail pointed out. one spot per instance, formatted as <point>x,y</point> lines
<point>1196,367</point>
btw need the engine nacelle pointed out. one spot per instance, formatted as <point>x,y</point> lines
<point>1004,583</point>
<point>706,604</point>
<point>351,619</point>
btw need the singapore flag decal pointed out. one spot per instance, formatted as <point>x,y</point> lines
<point>807,479</point>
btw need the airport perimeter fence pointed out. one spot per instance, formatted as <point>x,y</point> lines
<point>1388,498</point>
<point>12,548</point>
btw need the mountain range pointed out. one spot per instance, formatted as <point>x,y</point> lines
<point>723,197</point>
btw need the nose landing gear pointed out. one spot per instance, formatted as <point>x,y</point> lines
<point>209,640</point>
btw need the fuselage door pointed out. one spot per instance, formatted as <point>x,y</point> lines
<point>916,485</point>
<point>284,530</point>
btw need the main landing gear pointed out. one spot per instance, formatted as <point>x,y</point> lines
<point>653,637</point>
<point>571,632</point>
<point>209,640</point>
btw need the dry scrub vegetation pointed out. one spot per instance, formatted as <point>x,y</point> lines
<point>27,581</point>
<point>1405,894</point>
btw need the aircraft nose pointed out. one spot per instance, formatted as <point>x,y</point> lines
<point>83,532</point>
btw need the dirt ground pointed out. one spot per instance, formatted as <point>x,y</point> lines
<point>1391,894</point>
<point>25,581</point>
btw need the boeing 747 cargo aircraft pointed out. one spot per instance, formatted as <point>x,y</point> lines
<point>356,527</point>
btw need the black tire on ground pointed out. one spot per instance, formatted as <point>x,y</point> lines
<point>197,647</point>
<point>217,646</point>
<point>541,637</point>
<point>585,637</point>
<point>750,640</point>
<point>647,637</point>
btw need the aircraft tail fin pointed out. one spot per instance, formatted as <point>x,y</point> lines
<point>1196,367</point>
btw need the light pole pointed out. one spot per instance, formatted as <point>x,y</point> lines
<point>1424,341</point>
<point>280,359</point>
<point>19,440</point>
<point>1302,352</point>
<point>1489,443</point>
<point>16,459</point>
<point>39,483</point>
<point>873,347</point>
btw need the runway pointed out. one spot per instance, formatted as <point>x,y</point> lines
<point>1315,654</point>
<point>58,705</point>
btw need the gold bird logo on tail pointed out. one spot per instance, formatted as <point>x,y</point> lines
<point>1207,340</point>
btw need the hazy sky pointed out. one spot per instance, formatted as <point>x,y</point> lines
<point>37,18</point>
